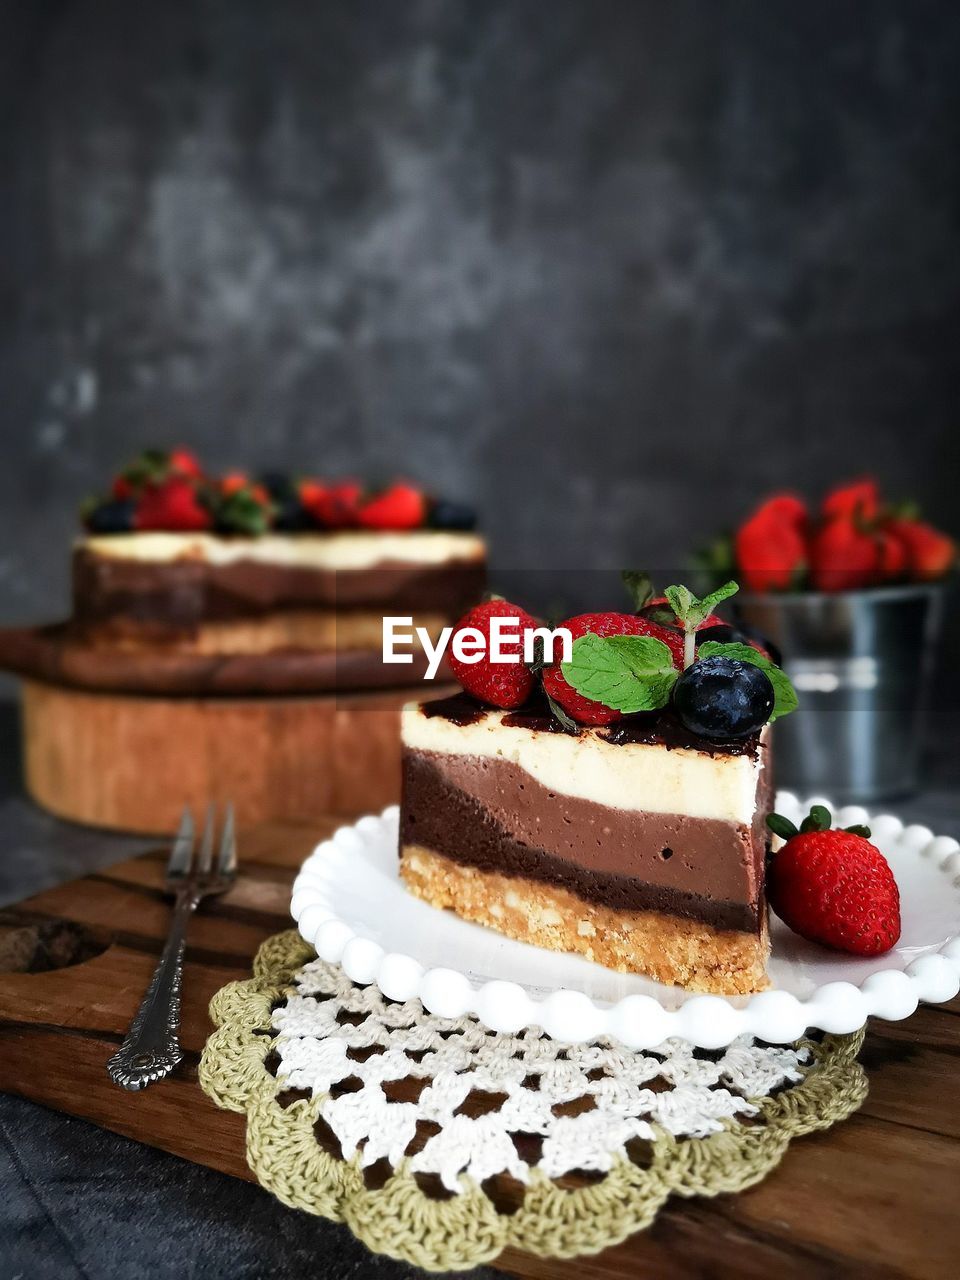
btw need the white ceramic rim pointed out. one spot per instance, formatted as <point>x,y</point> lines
<point>638,1021</point>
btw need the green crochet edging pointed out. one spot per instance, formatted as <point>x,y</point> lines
<point>466,1231</point>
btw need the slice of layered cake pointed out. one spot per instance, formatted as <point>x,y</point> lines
<point>175,559</point>
<point>629,830</point>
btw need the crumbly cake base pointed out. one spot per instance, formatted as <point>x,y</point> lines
<point>673,950</point>
<point>319,630</point>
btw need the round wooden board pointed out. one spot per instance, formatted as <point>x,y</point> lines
<point>132,762</point>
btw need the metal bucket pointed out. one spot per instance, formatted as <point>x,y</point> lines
<point>861,662</point>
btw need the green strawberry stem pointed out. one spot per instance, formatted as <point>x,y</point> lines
<point>818,819</point>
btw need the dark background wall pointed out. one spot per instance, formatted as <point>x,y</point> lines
<point>609,270</point>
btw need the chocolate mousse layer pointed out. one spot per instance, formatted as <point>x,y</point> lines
<point>491,814</point>
<point>184,593</point>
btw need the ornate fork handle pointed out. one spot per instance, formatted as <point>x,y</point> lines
<point>151,1049</point>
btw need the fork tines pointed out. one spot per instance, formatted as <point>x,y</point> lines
<point>189,861</point>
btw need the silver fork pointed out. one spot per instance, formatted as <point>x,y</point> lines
<point>151,1049</point>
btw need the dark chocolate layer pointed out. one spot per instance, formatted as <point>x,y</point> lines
<point>656,728</point>
<point>500,819</point>
<point>185,593</point>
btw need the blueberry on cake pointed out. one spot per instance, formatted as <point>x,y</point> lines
<point>611,805</point>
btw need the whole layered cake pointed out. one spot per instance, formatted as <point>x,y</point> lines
<point>612,804</point>
<point>176,559</point>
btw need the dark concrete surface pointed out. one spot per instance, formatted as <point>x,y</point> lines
<point>609,268</point>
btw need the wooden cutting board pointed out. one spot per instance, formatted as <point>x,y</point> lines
<point>874,1196</point>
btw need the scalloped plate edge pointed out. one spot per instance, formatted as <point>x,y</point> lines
<point>637,1021</point>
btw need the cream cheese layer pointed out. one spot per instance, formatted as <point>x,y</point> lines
<point>634,776</point>
<point>352,549</point>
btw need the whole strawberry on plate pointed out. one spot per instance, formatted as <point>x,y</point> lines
<point>833,887</point>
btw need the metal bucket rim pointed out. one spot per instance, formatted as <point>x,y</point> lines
<point>881,595</point>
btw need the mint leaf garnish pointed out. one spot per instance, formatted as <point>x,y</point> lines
<point>681,600</point>
<point>241,512</point>
<point>566,721</point>
<point>784,694</point>
<point>627,673</point>
<point>691,612</point>
<point>713,598</point>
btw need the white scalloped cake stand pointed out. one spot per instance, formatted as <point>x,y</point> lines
<point>351,906</point>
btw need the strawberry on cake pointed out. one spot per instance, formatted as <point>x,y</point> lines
<point>612,804</point>
<point>176,559</point>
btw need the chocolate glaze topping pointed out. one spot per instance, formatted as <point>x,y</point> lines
<point>655,728</point>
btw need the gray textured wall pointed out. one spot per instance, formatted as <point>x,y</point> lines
<point>610,270</point>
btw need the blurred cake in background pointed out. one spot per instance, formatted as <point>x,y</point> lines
<point>174,559</point>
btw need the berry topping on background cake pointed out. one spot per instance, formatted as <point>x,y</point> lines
<point>500,684</point>
<point>455,516</point>
<point>114,515</point>
<point>332,506</point>
<point>400,507</point>
<point>833,887</point>
<point>241,505</point>
<point>289,513</point>
<point>158,490</point>
<point>174,503</point>
<point>154,493</point>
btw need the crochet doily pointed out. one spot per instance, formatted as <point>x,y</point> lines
<point>439,1142</point>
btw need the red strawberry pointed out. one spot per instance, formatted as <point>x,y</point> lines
<point>121,488</point>
<point>843,556</point>
<point>893,561</point>
<point>501,684</point>
<point>171,505</point>
<point>930,554</point>
<point>332,506</point>
<point>836,888</point>
<point>585,710</point>
<point>858,500</point>
<point>184,463</point>
<point>233,482</point>
<point>771,547</point>
<point>582,709</point>
<point>399,507</point>
<point>313,498</point>
<point>788,509</point>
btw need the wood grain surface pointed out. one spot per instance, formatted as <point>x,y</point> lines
<point>131,762</point>
<point>873,1197</point>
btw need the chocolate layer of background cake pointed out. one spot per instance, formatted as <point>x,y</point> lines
<point>658,837</point>
<point>229,592</point>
